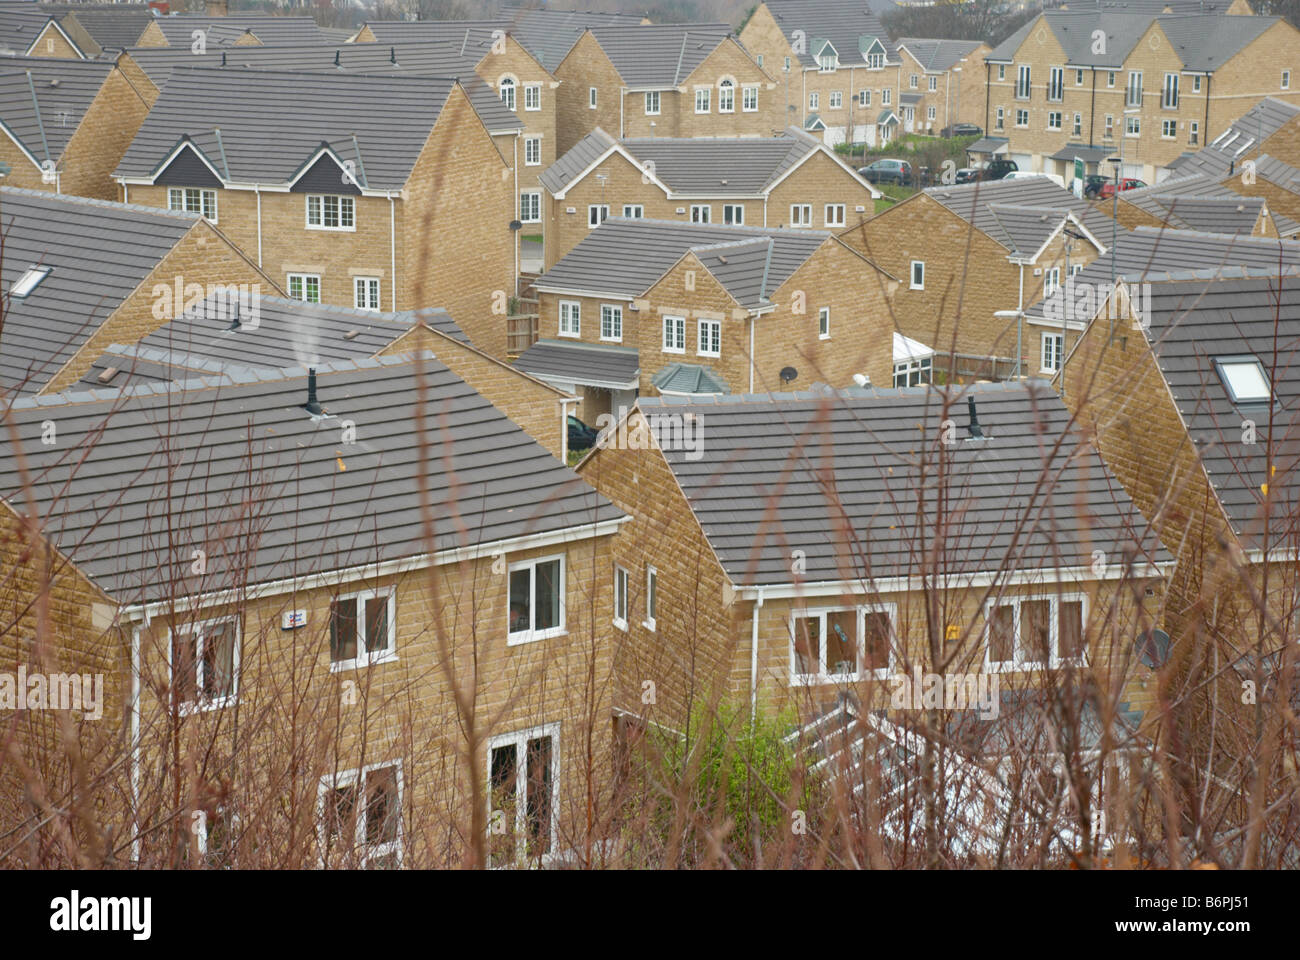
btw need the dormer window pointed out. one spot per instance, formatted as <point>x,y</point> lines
<point>827,63</point>
<point>29,281</point>
<point>876,60</point>
<point>1245,379</point>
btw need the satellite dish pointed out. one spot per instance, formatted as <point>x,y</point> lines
<point>1152,648</point>
<point>788,374</point>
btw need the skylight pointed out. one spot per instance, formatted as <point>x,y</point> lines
<point>28,282</point>
<point>1245,379</point>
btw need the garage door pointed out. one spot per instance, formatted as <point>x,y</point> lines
<point>1024,161</point>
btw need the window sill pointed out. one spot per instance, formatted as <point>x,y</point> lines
<point>518,639</point>
<point>356,663</point>
<point>823,336</point>
<point>351,229</point>
<point>714,356</point>
<point>571,336</point>
<point>611,339</point>
<point>679,350</point>
<point>620,624</point>
<point>191,709</point>
<point>649,625</point>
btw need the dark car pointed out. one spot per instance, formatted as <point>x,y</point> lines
<point>1127,183</point>
<point>888,171</point>
<point>1092,186</point>
<point>581,436</point>
<point>961,130</point>
<point>967,175</point>
<point>997,169</point>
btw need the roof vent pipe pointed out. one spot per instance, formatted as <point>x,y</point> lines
<point>312,406</point>
<point>976,431</point>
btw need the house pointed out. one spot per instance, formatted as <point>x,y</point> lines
<point>1192,401</point>
<point>761,181</point>
<point>87,31</point>
<point>309,560</point>
<point>508,68</point>
<point>224,335</point>
<point>371,191</point>
<point>21,22</point>
<point>198,32</point>
<point>644,306</point>
<point>972,256</point>
<point>835,65</point>
<point>670,80</point>
<point>1148,88</point>
<point>1139,258</point>
<point>65,124</point>
<point>940,82</point>
<point>1196,203</point>
<point>81,274</point>
<point>1270,127</point>
<point>779,553</point>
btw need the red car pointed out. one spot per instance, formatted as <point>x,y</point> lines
<point>1129,183</point>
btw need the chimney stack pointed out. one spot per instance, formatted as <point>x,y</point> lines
<point>976,431</point>
<point>312,406</point>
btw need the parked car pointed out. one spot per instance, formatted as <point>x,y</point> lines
<point>998,169</point>
<point>581,436</point>
<point>1127,183</point>
<point>1056,178</point>
<point>961,130</point>
<point>968,174</point>
<point>888,171</point>
<point>1092,186</point>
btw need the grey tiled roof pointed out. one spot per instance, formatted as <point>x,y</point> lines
<point>1030,496</point>
<point>1192,323</point>
<point>99,251</point>
<point>20,24</point>
<point>988,145</point>
<point>594,364</point>
<point>426,60</point>
<point>849,25</point>
<point>694,166</point>
<point>938,56</point>
<point>1234,215</point>
<point>272,123</point>
<point>222,31</point>
<point>659,55</point>
<point>550,34</point>
<point>690,378</point>
<point>625,257</point>
<point>113,505</point>
<point>43,112</point>
<point>975,203</point>
<point>113,27</point>
<point>1202,42</point>
<point>1241,141</point>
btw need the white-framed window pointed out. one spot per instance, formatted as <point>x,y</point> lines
<point>530,206</point>
<point>193,200</point>
<point>842,644</point>
<point>701,213</point>
<point>749,98</point>
<point>1196,84</point>
<point>651,597</point>
<point>1051,280</point>
<point>634,211</point>
<point>933,84</point>
<point>801,214</point>
<point>917,275</point>
<point>835,215</point>
<point>875,60</point>
<point>702,97</point>
<point>824,323</point>
<point>597,213</point>
<point>570,318</point>
<point>674,334</point>
<point>1022,82</point>
<point>532,96</point>
<point>760,59</point>
<point>886,96</point>
<point>652,103</point>
<point>1078,77</point>
<point>786,66</point>
<point>912,80</point>
<point>930,113</point>
<point>1054,120</point>
<point>1022,117</point>
<point>710,343</point>
<point>620,597</point>
<point>1244,379</point>
<point>827,63</point>
<point>360,813</point>
<point>733,214</point>
<point>1132,126</point>
<point>726,96</point>
<point>999,118</point>
<point>864,98</point>
<point>205,665</point>
<point>1133,94</point>
<point>363,628</point>
<point>1193,132</point>
<point>611,322</point>
<point>837,99</point>
<point>814,100</point>
<point>1110,79</point>
<point>591,98</point>
<point>305,287</point>
<point>914,372</point>
<point>330,212</point>
<point>536,600</point>
<point>1002,71</point>
<point>1077,128</point>
<point>365,293</point>
<point>508,88</point>
<point>523,794</point>
<point>1055,84</point>
<point>1110,126</point>
<point>532,151</point>
<point>1169,93</point>
<point>1053,350</point>
<point>1286,79</point>
<point>1034,631</point>
<point>1169,129</point>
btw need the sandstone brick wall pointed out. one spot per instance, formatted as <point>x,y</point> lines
<point>585,66</point>
<point>102,138</point>
<point>51,43</point>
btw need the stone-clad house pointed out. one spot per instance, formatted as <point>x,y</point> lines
<point>789,180</point>
<point>228,31</point>
<point>940,83</point>
<point>86,31</point>
<point>645,307</point>
<point>670,80</point>
<point>1094,84</point>
<point>354,190</point>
